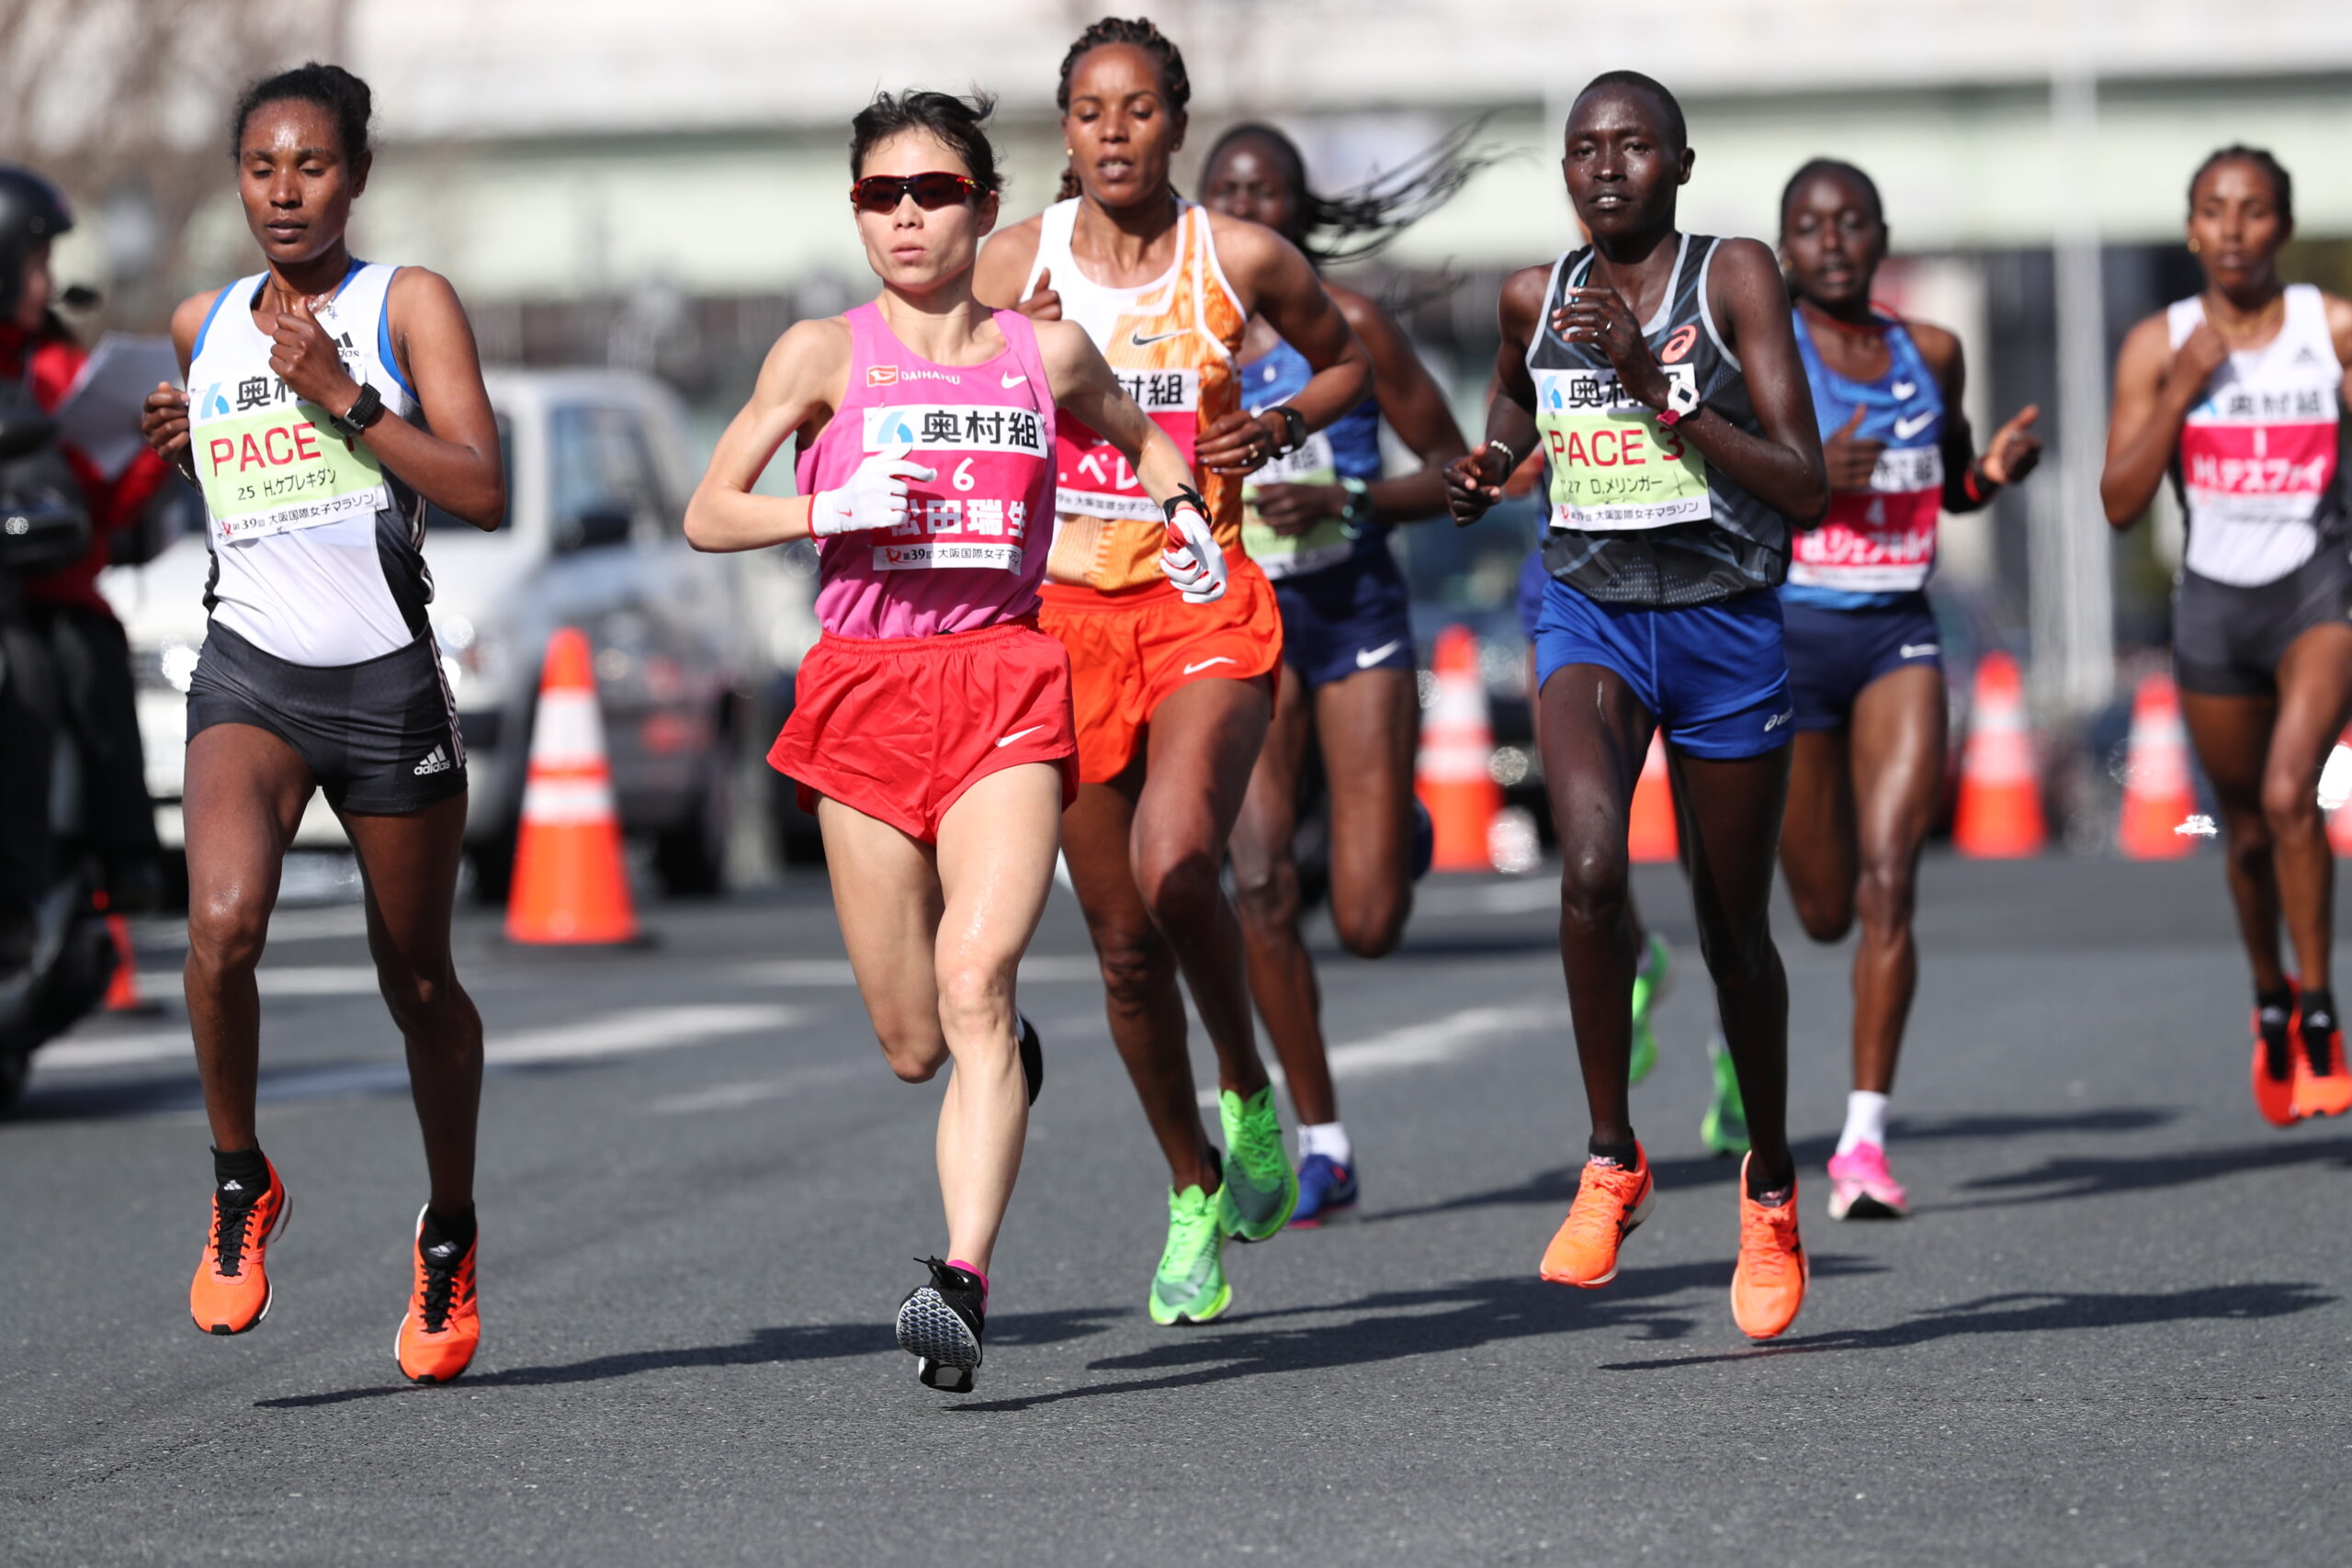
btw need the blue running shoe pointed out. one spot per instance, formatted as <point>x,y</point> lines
<point>1326,1190</point>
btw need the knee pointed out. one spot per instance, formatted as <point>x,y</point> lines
<point>1265,892</point>
<point>1592,885</point>
<point>424,1003</point>
<point>914,1052</point>
<point>1741,958</point>
<point>1135,965</point>
<point>1371,927</point>
<point>226,933</point>
<point>975,1002</point>
<point>1885,896</point>
<point>2290,805</point>
<point>1178,886</point>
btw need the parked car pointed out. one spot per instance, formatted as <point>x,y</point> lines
<point>598,472</point>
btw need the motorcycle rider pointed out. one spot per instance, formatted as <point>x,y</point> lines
<point>88,654</point>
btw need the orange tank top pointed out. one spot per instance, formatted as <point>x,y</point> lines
<point>1172,343</point>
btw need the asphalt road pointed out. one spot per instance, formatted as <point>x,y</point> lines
<point>2113,1332</point>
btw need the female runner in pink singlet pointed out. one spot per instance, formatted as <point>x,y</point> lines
<point>932,732</point>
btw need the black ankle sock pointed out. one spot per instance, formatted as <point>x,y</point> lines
<point>239,1176</point>
<point>1758,1190</point>
<point>2320,1023</point>
<point>455,1232</point>
<point>1628,1155</point>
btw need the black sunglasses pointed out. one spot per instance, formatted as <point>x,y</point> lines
<point>882,193</point>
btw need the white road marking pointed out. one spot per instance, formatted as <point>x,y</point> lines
<point>756,1091</point>
<point>1488,897</point>
<point>1429,1044</point>
<point>295,980</point>
<point>121,1050</point>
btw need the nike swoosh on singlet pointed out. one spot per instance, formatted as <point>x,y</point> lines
<point>1368,656</point>
<point>1220,659</point>
<point>1009,739</point>
<point>1905,429</point>
<point>1903,391</point>
<point>1009,383</point>
<point>1142,341</point>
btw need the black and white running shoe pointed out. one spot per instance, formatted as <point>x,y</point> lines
<point>940,1325</point>
<point>1032,1056</point>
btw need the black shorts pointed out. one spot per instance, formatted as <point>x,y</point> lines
<point>1833,654</point>
<point>381,736</point>
<point>2227,641</point>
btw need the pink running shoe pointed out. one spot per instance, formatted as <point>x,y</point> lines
<point>1862,1188</point>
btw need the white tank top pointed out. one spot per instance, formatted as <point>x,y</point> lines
<point>2258,463</point>
<point>317,552</point>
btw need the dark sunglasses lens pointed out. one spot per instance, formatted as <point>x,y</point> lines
<point>877,193</point>
<point>932,192</point>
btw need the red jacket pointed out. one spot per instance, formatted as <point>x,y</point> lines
<point>56,360</point>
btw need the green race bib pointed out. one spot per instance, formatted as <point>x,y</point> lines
<point>281,467</point>
<point>1325,544</point>
<point>1613,467</point>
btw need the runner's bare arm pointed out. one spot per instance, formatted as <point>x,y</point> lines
<point>1970,480</point>
<point>1414,406</point>
<point>1004,268</point>
<point>1782,468</point>
<point>2339,327</point>
<point>163,418</point>
<point>451,458</point>
<point>1475,482</point>
<point>799,386</point>
<point>1280,284</point>
<point>2154,389</point>
<point>1084,387</point>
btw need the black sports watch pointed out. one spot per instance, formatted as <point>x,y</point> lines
<point>1293,430</point>
<point>365,411</point>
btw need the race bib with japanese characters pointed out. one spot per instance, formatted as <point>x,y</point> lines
<point>974,512</point>
<point>1093,478</point>
<point>1882,540</point>
<point>1327,543</point>
<point>268,464</point>
<point>1613,467</point>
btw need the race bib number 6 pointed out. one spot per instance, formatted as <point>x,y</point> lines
<point>281,467</point>
<point>1613,467</point>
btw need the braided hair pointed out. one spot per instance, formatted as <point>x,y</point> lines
<point>1175,85</point>
<point>1354,225</point>
<point>2282,183</point>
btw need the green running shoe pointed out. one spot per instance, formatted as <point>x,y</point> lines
<point>1190,1282</point>
<point>1260,1188</point>
<point>1649,984</point>
<point>1725,1127</point>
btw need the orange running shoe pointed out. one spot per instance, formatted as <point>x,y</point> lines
<point>443,1327</point>
<point>231,1291</point>
<point>1768,1283</point>
<point>2322,1086</point>
<point>1610,1202</point>
<point>2276,1061</point>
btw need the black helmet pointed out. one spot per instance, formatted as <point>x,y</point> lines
<point>32,213</point>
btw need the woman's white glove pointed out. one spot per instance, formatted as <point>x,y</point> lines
<point>875,498</point>
<point>1191,560</point>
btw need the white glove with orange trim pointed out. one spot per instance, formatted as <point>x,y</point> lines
<point>874,499</point>
<point>1193,560</point>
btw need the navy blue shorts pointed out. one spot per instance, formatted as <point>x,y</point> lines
<point>1347,617</point>
<point>1712,675</point>
<point>1833,654</point>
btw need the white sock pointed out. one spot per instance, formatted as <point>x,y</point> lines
<point>1328,1139</point>
<point>1865,1121</point>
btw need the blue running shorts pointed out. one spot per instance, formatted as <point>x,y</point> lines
<point>1347,617</point>
<point>1713,675</point>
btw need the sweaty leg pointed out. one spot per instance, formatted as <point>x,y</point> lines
<point>243,796</point>
<point>1139,993</point>
<point>887,898</point>
<point>2314,699</point>
<point>1817,850</point>
<point>1898,770</point>
<point>2231,735</point>
<point>409,866</point>
<point>1595,735</point>
<point>1265,887</point>
<point>1370,723</point>
<point>1731,827</point>
<point>996,866</point>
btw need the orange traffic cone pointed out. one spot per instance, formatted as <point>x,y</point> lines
<point>2159,797</point>
<point>1456,781</point>
<point>1650,835</point>
<point>1999,815</point>
<point>123,991</point>
<point>571,884</point>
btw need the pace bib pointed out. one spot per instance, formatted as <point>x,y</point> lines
<point>1613,466</point>
<point>278,467</point>
<point>1093,478</point>
<point>975,511</point>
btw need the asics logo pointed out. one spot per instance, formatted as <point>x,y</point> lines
<point>1009,739</point>
<point>436,764</point>
<point>1009,383</point>
<point>1220,659</point>
<point>1368,656</point>
<point>1779,719</point>
<point>1920,650</point>
<point>1142,341</point>
<point>1905,429</point>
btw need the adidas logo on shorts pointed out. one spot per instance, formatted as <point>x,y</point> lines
<point>436,764</point>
